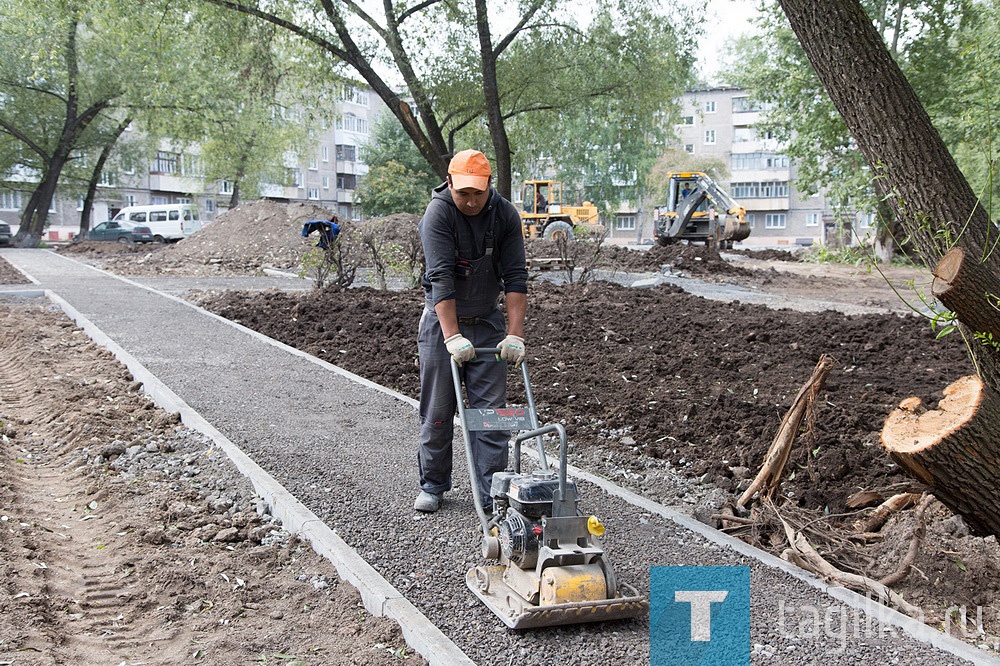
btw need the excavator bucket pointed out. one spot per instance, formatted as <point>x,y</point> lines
<point>487,583</point>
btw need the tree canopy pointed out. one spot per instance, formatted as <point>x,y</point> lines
<point>461,80</point>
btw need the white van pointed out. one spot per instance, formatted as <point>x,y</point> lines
<point>168,222</point>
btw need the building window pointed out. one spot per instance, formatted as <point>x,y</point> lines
<point>625,223</point>
<point>106,179</point>
<point>225,187</point>
<point>774,221</point>
<point>355,95</point>
<point>689,148</point>
<point>866,220</point>
<point>758,190</point>
<point>709,107</point>
<point>313,193</point>
<point>296,178</point>
<point>79,203</point>
<point>709,137</point>
<point>345,211</point>
<point>10,200</point>
<point>210,205</point>
<point>313,163</point>
<point>158,201</point>
<point>346,181</point>
<point>346,152</point>
<point>353,123</point>
<point>751,219</point>
<point>131,200</point>
<point>758,161</point>
<point>326,182</point>
<point>186,200</point>
<point>325,153</point>
<point>687,120</point>
<point>812,220</point>
<point>166,163</point>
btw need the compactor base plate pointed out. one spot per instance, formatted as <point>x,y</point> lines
<point>487,583</point>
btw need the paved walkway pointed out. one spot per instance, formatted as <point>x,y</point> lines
<point>342,451</point>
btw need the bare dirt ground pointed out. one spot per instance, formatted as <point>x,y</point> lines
<point>656,383</point>
<point>127,539</point>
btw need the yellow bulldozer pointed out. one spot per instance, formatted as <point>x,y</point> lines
<point>543,214</point>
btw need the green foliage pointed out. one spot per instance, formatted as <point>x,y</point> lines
<point>398,179</point>
<point>822,254</point>
<point>335,266</point>
<point>593,109</point>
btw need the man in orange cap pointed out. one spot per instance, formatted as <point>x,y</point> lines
<point>474,251</point>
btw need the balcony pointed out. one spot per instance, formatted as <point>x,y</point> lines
<point>167,182</point>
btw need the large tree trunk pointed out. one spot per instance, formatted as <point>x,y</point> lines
<point>95,177</point>
<point>929,194</point>
<point>953,449</point>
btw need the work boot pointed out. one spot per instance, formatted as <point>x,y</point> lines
<point>427,502</point>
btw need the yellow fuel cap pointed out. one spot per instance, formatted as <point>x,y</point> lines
<point>595,526</point>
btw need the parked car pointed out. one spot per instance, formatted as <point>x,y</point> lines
<point>168,222</point>
<point>4,233</point>
<point>121,232</point>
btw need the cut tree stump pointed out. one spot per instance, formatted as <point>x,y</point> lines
<point>969,289</point>
<point>954,449</point>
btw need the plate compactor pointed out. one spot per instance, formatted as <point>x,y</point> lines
<point>552,569</point>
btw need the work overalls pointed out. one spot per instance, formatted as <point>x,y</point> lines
<point>477,289</point>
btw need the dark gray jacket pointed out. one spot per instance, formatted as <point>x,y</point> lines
<point>450,238</point>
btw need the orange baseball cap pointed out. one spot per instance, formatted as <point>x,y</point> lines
<point>470,168</point>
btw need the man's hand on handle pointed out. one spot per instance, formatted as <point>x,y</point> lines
<point>512,349</point>
<point>460,348</point>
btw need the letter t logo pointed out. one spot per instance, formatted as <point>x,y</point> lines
<point>701,610</point>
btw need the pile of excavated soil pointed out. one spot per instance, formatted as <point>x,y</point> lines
<point>241,241</point>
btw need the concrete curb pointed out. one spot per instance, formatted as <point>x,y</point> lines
<point>379,596</point>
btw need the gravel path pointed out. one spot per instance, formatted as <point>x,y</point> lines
<point>347,453</point>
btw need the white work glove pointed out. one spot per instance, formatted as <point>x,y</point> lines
<point>512,349</point>
<point>460,348</point>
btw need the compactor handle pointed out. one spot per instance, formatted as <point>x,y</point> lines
<point>482,355</point>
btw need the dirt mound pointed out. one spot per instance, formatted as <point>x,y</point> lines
<point>241,241</point>
<point>695,260</point>
<point>769,255</point>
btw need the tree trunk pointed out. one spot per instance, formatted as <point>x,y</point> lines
<point>891,127</point>
<point>498,130</point>
<point>95,177</point>
<point>36,213</point>
<point>953,449</point>
<point>930,196</point>
<point>961,285</point>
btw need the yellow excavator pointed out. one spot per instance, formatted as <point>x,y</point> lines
<point>543,214</point>
<point>698,210</point>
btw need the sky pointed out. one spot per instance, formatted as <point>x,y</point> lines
<point>723,19</point>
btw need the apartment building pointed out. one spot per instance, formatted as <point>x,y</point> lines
<point>721,123</point>
<point>327,176</point>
